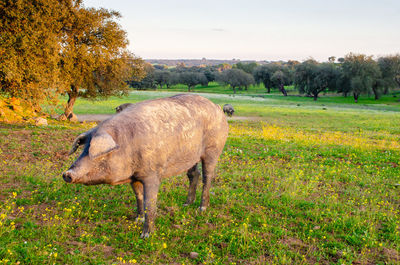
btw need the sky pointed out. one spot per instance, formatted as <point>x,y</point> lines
<point>258,29</point>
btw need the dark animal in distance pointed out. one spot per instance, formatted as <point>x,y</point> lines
<point>122,107</point>
<point>228,109</point>
<point>149,141</point>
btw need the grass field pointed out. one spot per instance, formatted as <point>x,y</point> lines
<point>309,184</point>
<point>246,104</point>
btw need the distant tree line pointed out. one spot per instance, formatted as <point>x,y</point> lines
<point>354,74</point>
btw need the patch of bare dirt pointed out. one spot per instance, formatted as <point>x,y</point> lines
<point>391,255</point>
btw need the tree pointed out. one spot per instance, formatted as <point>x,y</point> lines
<point>30,33</point>
<point>304,77</point>
<point>162,77</point>
<point>191,79</point>
<point>94,59</point>
<point>279,80</point>
<point>332,59</point>
<point>210,73</point>
<point>274,75</point>
<point>313,78</point>
<point>343,83</point>
<point>236,78</point>
<point>363,73</point>
<point>390,69</point>
<point>292,63</point>
<point>263,74</point>
<point>247,67</point>
<point>148,82</point>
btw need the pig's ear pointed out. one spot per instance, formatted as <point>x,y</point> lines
<point>101,144</point>
<point>80,140</point>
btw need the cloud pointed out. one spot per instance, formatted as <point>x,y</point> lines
<point>218,29</point>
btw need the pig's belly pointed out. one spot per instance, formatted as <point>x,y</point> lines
<point>172,151</point>
<point>181,161</point>
<point>180,151</point>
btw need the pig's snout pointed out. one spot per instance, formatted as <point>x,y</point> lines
<point>67,176</point>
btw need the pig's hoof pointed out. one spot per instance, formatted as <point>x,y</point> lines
<point>139,219</point>
<point>145,235</point>
<point>203,208</point>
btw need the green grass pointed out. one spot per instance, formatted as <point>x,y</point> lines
<point>305,185</point>
<point>255,105</point>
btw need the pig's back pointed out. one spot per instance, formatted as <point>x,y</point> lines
<point>172,134</point>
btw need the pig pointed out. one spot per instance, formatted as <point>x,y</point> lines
<point>150,141</point>
<point>122,107</point>
<point>228,109</point>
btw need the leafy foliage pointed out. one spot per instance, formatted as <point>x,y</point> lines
<point>236,78</point>
<point>390,69</point>
<point>15,110</point>
<point>247,67</point>
<point>51,47</point>
<point>313,78</point>
<point>29,48</point>
<point>191,79</point>
<point>94,59</point>
<point>362,72</point>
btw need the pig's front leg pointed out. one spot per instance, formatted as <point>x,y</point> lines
<point>151,186</point>
<point>137,187</point>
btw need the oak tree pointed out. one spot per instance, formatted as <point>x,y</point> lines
<point>30,34</point>
<point>362,72</point>
<point>95,61</point>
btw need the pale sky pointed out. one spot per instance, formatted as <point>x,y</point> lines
<point>258,29</point>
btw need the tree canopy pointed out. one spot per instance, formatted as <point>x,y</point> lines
<point>390,69</point>
<point>94,58</point>
<point>362,72</point>
<point>191,79</point>
<point>29,48</point>
<point>236,78</point>
<point>50,47</point>
<point>313,78</point>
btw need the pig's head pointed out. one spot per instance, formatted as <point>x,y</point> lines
<point>96,164</point>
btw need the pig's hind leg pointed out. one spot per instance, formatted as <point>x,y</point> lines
<point>208,167</point>
<point>137,187</point>
<point>193,175</point>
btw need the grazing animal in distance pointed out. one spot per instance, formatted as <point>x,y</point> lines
<point>228,109</point>
<point>150,141</point>
<point>122,107</point>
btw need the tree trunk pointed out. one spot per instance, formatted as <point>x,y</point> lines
<point>355,97</point>
<point>268,88</point>
<point>68,111</point>
<point>385,92</point>
<point>282,89</point>
<point>72,96</point>
<point>315,96</point>
<point>234,90</point>
<point>375,90</point>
